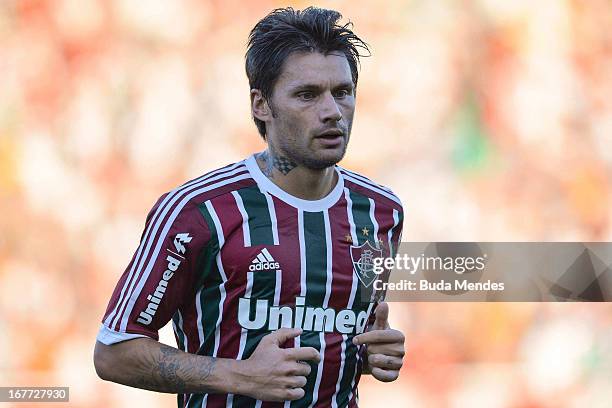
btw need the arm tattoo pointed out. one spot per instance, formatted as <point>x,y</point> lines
<point>168,367</point>
<point>281,163</point>
<point>173,372</point>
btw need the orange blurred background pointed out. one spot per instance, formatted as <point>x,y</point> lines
<point>491,119</point>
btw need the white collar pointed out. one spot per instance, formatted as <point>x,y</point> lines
<point>306,205</point>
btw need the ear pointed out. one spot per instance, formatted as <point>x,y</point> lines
<point>259,106</point>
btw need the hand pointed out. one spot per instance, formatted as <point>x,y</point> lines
<point>273,373</point>
<point>385,346</point>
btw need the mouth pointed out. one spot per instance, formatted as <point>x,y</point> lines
<point>331,134</point>
<point>331,138</point>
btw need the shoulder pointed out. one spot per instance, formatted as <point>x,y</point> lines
<point>360,184</point>
<point>182,205</point>
<point>213,184</point>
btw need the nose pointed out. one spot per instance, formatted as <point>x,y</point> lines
<point>329,109</point>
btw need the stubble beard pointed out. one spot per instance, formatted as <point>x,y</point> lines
<point>303,155</point>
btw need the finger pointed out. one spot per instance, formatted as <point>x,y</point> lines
<point>303,354</point>
<point>292,394</point>
<point>280,336</point>
<point>385,375</point>
<point>387,349</point>
<point>386,362</point>
<point>379,336</point>
<point>297,381</point>
<point>299,368</point>
<point>382,316</point>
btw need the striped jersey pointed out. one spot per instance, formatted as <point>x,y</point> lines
<point>230,257</point>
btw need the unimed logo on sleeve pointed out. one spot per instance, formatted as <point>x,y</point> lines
<point>146,316</point>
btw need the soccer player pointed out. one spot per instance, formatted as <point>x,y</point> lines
<point>265,265</point>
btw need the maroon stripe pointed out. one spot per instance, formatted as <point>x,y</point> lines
<point>270,404</point>
<point>342,278</point>
<point>216,401</point>
<point>190,325</point>
<point>353,402</point>
<point>342,281</point>
<point>231,224</point>
<point>331,369</point>
<point>288,235</point>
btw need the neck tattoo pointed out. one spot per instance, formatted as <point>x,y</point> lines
<point>280,163</point>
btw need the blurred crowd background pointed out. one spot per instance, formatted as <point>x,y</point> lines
<point>491,119</point>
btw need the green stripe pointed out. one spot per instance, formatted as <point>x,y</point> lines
<point>316,280</point>
<point>211,280</point>
<point>180,334</point>
<point>350,365</point>
<point>361,218</point>
<point>316,258</point>
<point>260,224</point>
<point>195,401</point>
<point>264,282</point>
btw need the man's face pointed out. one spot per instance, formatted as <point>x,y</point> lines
<point>313,102</point>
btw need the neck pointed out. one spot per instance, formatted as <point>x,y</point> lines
<point>299,181</point>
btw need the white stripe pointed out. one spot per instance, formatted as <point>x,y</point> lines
<point>156,221</point>
<point>297,340</point>
<point>199,317</point>
<point>277,288</point>
<point>261,258</point>
<point>364,179</point>
<point>159,214</point>
<point>246,233</point>
<point>351,300</point>
<point>243,332</point>
<point>390,233</point>
<point>374,223</point>
<point>267,255</point>
<point>302,253</point>
<point>329,260</point>
<point>161,238</point>
<point>272,211</point>
<point>390,196</point>
<point>328,283</point>
<point>221,240</point>
<point>340,371</point>
<point>200,328</point>
<point>349,211</point>
<point>315,391</point>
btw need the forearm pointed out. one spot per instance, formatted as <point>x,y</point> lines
<point>148,364</point>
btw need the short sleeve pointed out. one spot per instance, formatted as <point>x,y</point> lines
<point>161,274</point>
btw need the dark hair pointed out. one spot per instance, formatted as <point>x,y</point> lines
<point>285,31</point>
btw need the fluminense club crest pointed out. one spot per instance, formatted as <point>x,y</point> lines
<point>363,262</point>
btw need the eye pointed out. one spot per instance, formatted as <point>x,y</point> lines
<point>306,95</point>
<point>341,93</point>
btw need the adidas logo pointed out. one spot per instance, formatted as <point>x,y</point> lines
<point>263,262</point>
